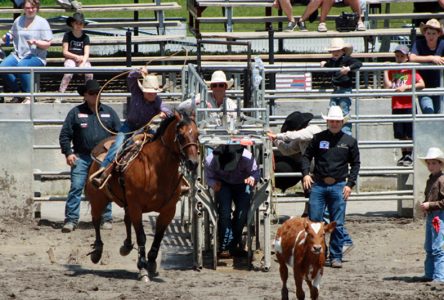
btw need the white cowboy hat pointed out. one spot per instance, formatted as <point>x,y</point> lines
<point>149,84</point>
<point>218,77</point>
<point>334,113</point>
<point>433,153</point>
<point>433,24</point>
<point>339,44</point>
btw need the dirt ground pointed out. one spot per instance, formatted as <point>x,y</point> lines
<point>37,261</point>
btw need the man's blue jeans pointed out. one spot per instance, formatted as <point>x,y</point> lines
<point>118,142</point>
<point>230,229</point>
<point>79,175</point>
<point>430,104</point>
<point>344,102</point>
<point>434,243</point>
<point>25,78</point>
<point>323,195</point>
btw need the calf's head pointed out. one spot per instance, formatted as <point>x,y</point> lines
<point>315,239</point>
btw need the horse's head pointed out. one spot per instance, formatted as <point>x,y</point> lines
<point>188,137</point>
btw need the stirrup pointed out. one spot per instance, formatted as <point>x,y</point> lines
<point>96,173</point>
<point>101,182</point>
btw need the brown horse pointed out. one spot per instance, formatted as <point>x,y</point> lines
<point>150,183</point>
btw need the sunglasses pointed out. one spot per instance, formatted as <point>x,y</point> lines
<point>91,93</point>
<point>221,85</point>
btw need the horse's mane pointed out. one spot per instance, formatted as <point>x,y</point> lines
<point>165,123</point>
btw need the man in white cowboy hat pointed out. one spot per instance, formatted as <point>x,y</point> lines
<point>342,80</point>
<point>331,183</point>
<point>433,207</point>
<point>216,99</point>
<point>142,107</point>
<point>429,50</point>
<point>81,132</point>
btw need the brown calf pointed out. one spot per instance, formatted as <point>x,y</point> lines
<point>300,244</point>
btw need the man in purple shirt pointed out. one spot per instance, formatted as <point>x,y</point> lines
<point>231,171</point>
<point>143,106</point>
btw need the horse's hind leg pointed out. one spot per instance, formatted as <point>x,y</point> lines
<point>96,253</point>
<point>127,246</point>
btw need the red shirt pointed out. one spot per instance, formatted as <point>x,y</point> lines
<point>398,78</point>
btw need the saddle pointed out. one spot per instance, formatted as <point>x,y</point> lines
<point>129,151</point>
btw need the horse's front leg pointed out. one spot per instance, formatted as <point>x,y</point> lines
<point>162,222</point>
<point>96,253</point>
<point>127,246</point>
<point>141,241</point>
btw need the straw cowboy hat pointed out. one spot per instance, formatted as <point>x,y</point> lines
<point>149,84</point>
<point>433,153</point>
<point>339,44</point>
<point>218,77</point>
<point>296,121</point>
<point>76,17</point>
<point>432,23</point>
<point>334,113</point>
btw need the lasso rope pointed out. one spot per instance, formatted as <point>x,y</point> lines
<point>127,72</point>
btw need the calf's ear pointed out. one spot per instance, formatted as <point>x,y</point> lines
<point>330,227</point>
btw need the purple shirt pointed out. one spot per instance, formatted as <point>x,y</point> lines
<point>246,167</point>
<point>141,111</point>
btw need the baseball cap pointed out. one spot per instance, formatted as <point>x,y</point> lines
<point>403,49</point>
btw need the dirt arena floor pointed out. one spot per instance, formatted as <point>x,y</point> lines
<point>37,261</point>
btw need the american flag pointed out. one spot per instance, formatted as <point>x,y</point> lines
<point>299,81</point>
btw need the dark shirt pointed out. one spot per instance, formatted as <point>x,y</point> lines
<point>434,191</point>
<point>332,154</point>
<point>82,128</point>
<point>339,80</point>
<point>76,45</point>
<point>431,78</point>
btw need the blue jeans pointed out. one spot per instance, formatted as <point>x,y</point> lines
<point>25,78</point>
<point>434,243</point>
<point>230,229</point>
<point>344,102</point>
<point>120,139</point>
<point>323,195</point>
<point>347,238</point>
<point>79,175</point>
<point>430,104</point>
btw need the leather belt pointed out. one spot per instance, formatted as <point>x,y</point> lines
<point>329,180</point>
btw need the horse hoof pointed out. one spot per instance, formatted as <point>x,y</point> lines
<point>143,275</point>
<point>126,249</point>
<point>96,256</point>
<point>152,269</point>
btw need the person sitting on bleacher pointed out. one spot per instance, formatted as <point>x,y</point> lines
<point>310,12</point>
<point>76,46</point>
<point>429,50</point>
<point>31,36</point>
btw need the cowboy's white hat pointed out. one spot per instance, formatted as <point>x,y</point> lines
<point>334,113</point>
<point>149,84</point>
<point>218,77</point>
<point>433,153</point>
<point>339,44</point>
<point>433,24</point>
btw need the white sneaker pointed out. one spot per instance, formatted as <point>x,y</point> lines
<point>58,100</point>
<point>322,27</point>
<point>27,100</point>
<point>361,27</point>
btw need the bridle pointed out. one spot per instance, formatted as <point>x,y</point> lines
<point>181,154</point>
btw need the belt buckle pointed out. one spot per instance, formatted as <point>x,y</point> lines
<point>329,180</point>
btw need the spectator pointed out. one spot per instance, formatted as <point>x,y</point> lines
<point>429,50</point>
<point>296,134</point>
<point>82,130</point>
<point>218,85</point>
<point>142,107</point>
<point>427,7</point>
<point>342,80</point>
<point>231,171</point>
<point>401,81</point>
<point>32,37</point>
<point>333,152</point>
<point>76,46</point>
<point>310,12</point>
<point>70,4</point>
<point>433,207</point>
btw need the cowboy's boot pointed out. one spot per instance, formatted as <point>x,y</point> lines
<point>101,177</point>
